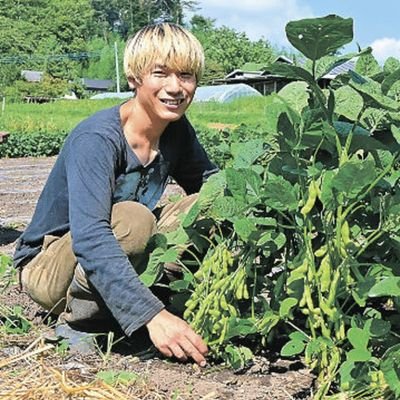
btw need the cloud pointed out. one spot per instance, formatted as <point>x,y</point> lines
<point>257,18</point>
<point>385,47</point>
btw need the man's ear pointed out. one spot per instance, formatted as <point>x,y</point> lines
<point>133,83</point>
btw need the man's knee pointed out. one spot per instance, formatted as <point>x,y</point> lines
<point>133,224</point>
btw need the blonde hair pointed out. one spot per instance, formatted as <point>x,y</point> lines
<point>168,43</point>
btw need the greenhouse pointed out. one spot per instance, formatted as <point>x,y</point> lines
<point>224,93</point>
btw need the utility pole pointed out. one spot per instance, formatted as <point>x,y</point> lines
<point>116,65</point>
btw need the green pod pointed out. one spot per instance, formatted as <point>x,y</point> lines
<point>324,272</point>
<point>312,197</point>
<point>223,303</point>
<point>321,251</point>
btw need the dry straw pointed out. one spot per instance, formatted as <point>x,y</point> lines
<point>31,375</point>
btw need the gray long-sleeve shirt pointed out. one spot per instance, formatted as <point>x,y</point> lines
<point>95,169</point>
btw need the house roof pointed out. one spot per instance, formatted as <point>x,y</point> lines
<point>97,84</point>
<point>242,74</point>
<point>32,76</point>
<point>340,69</point>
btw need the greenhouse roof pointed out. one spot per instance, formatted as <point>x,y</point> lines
<point>224,93</point>
<point>112,95</point>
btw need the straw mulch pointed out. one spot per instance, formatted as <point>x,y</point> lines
<point>37,373</point>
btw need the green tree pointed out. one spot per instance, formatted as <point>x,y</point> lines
<point>227,47</point>
<point>125,17</point>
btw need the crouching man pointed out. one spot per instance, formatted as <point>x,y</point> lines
<point>95,212</point>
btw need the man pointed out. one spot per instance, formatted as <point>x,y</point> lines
<point>94,214</point>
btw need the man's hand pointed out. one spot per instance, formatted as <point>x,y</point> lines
<point>174,337</point>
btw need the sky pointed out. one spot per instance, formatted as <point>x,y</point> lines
<point>376,23</point>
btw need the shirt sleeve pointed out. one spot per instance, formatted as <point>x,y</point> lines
<point>90,166</point>
<point>193,166</point>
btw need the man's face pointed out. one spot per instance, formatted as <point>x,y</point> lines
<point>164,93</point>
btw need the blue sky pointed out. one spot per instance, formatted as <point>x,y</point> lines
<point>376,23</point>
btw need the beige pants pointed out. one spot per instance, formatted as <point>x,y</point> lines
<point>54,278</point>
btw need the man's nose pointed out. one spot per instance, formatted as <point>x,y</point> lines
<point>172,83</point>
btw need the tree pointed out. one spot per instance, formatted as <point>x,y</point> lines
<point>125,17</point>
<point>227,47</point>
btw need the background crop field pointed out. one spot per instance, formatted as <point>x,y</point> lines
<point>63,115</point>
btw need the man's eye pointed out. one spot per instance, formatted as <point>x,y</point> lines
<point>186,75</point>
<point>158,72</point>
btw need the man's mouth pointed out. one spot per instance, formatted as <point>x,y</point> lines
<point>174,102</point>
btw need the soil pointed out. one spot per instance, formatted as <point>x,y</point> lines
<point>269,377</point>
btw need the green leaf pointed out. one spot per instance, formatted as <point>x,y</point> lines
<point>390,80</point>
<point>240,327</point>
<point>318,37</point>
<point>246,153</point>
<point>226,207</point>
<point>244,227</point>
<point>327,196</point>
<point>285,309</point>
<point>292,347</point>
<point>358,355</point>
<point>395,132</point>
<point>348,102</point>
<point>361,291</point>
<point>280,194</point>
<point>236,183</point>
<point>296,335</point>
<point>345,372</point>
<point>358,338</point>
<point>353,176</point>
<point>111,377</point>
<point>339,60</point>
<point>169,256</point>
<point>237,357</point>
<point>212,188</point>
<point>192,215</point>
<point>379,327</point>
<point>389,286</point>
<point>154,268</point>
<point>390,366</point>
<point>298,73</point>
<point>253,181</point>
<point>371,91</point>
<point>361,137</point>
<point>179,285</point>
<point>296,95</point>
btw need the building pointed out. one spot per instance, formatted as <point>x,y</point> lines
<point>97,85</point>
<point>258,77</point>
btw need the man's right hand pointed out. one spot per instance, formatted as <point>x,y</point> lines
<point>174,337</point>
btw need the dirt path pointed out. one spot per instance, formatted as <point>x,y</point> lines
<point>21,181</point>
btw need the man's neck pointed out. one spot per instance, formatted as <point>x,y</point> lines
<point>141,132</point>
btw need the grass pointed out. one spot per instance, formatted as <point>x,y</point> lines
<point>63,115</point>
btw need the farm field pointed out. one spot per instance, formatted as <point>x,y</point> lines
<point>295,287</point>
<point>32,366</point>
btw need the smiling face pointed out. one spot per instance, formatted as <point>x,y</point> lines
<point>165,93</point>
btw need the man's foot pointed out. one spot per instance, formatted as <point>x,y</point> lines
<point>78,341</point>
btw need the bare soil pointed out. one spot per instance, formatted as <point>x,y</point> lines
<point>28,363</point>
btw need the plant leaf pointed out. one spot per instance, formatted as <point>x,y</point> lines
<point>359,355</point>
<point>353,176</point>
<point>390,366</point>
<point>390,80</point>
<point>389,286</point>
<point>285,309</point>
<point>318,37</point>
<point>292,347</point>
<point>358,338</point>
